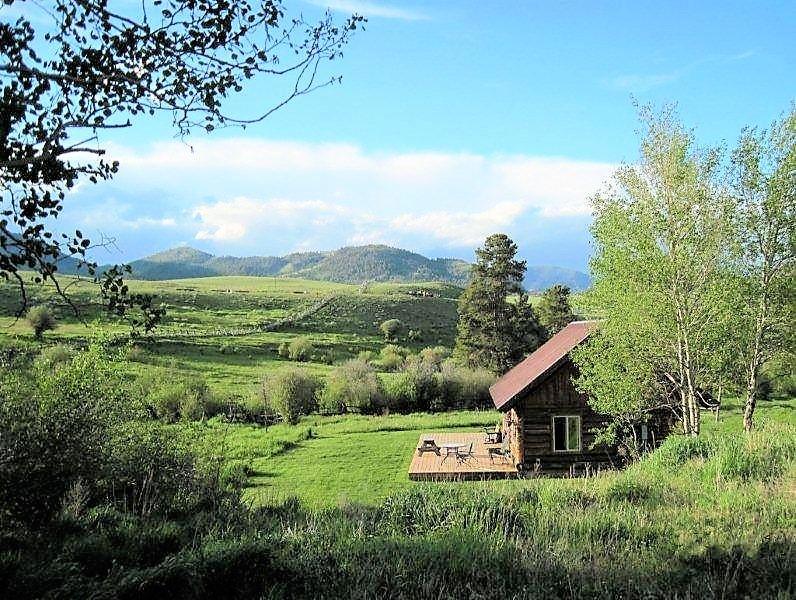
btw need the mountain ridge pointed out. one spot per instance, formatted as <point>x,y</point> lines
<point>350,264</point>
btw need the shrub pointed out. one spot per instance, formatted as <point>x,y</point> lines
<point>54,356</point>
<point>41,319</point>
<point>227,348</point>
<point>460,387</point>
<point>353,386</point>
<point>414,388</point>
<point>149,470</point>
<point>367,356</point>
<point>300,349</point>
<point>283,350</point>
<point>391,328</point>
<point>391,358</point>
<point>290,393</point>
<point>181,398</point>
<point>56,426</point>
<point>435,355</point>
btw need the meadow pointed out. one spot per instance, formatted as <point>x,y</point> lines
<point>324,508</point>
<point>216,327</point>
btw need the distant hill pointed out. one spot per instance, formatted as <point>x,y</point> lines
<point>352,264</point>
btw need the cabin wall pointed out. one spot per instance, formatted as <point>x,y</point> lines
<point>556,395</point>
<point>512,433</point>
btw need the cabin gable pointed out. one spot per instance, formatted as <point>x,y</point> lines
<point>550,404</point>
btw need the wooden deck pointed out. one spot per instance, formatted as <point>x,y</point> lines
<point>431,467</point>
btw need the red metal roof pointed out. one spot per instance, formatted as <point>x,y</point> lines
<point>540,362</point>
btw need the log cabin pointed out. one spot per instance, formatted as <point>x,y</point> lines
<point>547,421</point>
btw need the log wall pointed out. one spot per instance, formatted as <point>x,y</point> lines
<point>556,396</point>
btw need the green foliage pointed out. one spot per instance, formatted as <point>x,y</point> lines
<point>391,358</point>
<point>391,328</point>
<point>284,350</point>
<point>663,249</point>
<point>41,319</point>
<point>136,353</point>
<point>300,349</point>
<point>290,393</point>
<point>462,388</point>
<point>352,387</point>
<point>492,332</point>
<point>554,309</point>
<point>178,397</point>
<point>435,355</point>
<point>53,357</point>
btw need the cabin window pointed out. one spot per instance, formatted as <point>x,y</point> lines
<point>566,433</point>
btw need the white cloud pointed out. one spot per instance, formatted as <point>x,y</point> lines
<point>234,219</point>
<point>461,229</point>
<point>369,9</point>
<point>250,195</point>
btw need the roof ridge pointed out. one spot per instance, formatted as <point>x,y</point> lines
<point>539,362</point>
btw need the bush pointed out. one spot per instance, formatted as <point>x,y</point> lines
<point>290,393</point>
<point>414,389</point>
<point>227,348</point>
<point>136,353</point>
<point>56,425</point>
<point>391,358</point>
<point>460,387</point>
<point>391,328</point>
<point>353,386</point>
<point>367,356</point>
<point>41,319</point>
<point>300,349</point>
<point>54,356</point>
<point>176,398</point>
<point>149,470</point>
<point>436,355</point>
<point>283,350</point>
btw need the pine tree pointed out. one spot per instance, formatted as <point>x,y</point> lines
<point>554,309</point>
<point>497,326</point>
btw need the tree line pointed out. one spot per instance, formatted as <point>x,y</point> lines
<point>693,270</point>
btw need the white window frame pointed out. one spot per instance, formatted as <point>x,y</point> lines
<point>566,429</point>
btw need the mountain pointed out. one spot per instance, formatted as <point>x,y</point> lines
<point>352,264</point>
<point>538,278</point>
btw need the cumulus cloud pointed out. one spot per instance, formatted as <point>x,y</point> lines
<point>230,220</point>
<point>267,196</point>
<point>461,228</point>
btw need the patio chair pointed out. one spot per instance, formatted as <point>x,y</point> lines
<point>504,452</point>
<point>464,453</point>
<point>492,435</point>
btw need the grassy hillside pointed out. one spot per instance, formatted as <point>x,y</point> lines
<point>206,316</point>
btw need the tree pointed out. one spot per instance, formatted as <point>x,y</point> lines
<point>662,233</point>
<point>497,326</point>
<point>391,328</point>
<point>554,309</point>
<point>41,319</point>
<point>291,393</point>
<point>764,184</point>
<point>79,69</point>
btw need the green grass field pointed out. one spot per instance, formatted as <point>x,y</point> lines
<point>326,461</point>
<point>189,341</point>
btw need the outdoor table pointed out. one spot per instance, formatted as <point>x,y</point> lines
<point>428,445</point>
<point>451,448</point>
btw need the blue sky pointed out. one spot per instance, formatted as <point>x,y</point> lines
<point>455,119</point>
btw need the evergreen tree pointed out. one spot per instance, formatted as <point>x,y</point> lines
<point>497,326</point>
<point>554,310</point>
